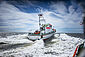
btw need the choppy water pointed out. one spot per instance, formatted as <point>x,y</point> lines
<point>20,46</point>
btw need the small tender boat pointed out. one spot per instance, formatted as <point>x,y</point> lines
<point>45,30</point>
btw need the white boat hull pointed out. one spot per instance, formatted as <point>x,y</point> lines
<point>39,37</point>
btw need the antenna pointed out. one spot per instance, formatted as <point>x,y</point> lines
<point>40,10</point>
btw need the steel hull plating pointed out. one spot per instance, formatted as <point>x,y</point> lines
<point>37,37</point>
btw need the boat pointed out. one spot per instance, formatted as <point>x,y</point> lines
<point>45,31</point>
<point>80,50</point>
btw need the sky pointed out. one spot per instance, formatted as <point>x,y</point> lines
<point>22,15</point>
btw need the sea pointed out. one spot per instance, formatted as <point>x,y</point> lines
<point>17,44</point>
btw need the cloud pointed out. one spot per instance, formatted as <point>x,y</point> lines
<point>59,16</point>
<point>69,16</point>
<point>14,18</point>
<point>59,7</point>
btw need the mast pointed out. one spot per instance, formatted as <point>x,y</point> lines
<point>41,19</point>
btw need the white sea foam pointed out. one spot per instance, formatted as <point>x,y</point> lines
<point>62,46</point>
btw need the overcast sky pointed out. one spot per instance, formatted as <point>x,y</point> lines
<point>22,15</point>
